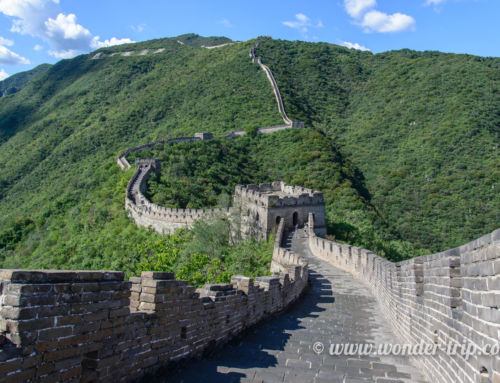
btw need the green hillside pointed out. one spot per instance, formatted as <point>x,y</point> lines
<point>404,144</point>
<point>18,81</point>
<point>423,128</point>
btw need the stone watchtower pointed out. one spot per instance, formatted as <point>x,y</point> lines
<point>263,206</point>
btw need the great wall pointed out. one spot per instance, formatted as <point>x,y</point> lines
<point>452,297</point>
<point>93,326</point>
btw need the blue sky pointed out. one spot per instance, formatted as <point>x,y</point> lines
<point>39,31</point>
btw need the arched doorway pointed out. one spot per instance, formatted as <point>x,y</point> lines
<point>295,218</point>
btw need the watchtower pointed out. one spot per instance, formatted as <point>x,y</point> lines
<point>264,206</point>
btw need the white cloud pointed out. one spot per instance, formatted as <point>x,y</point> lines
<point>111,42</point>
<point>37,47</point>
<point>375,21</point>
<point>225,22</point>
<point>44,19</point>
<point>3,75</point>
<point>67,37</point>
<point>354,46</point>
<point>382,22</point>
<point>356,8</point>
<point>30,15</point>
<point>9,57</point>
<point>12,58</point>
<point>303,23</point>
<point>7,42</point>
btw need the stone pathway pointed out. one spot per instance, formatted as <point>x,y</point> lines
<point>335,309</point>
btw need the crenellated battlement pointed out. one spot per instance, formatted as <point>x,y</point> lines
<point>162,219</point>
<point>263,206</point>
<point>95,326</point>
<point>279,194</point>
<point>447,298</point>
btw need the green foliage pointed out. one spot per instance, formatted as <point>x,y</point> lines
<point>18,81</point>
<point>60,135</point>
<point>298,157</point>
<point>403,144</point>
<point>422,128</point>
<point>206,254</point>
<point>198,41</point>
<point>159,255</point>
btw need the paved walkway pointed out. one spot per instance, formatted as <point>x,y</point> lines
<point>335,309</point>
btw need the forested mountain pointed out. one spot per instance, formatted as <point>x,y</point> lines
<point>404,144</point>
<point>423,128</point>
<point>18,81</point>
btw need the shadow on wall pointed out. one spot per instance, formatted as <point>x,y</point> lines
<point>255,349</point>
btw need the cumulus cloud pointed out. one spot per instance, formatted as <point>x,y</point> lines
<point>67,35</point>
<point>111,42</point>
<point>382,22</point>
<point>303,23</point>
<point>354,46</point>
<point>11,58</point>
<point>3,75</point>
<point>37,47</point>
<point>375,21</point>
<point>356,8</point>
<point>30,15</point>
<point>44,19</point>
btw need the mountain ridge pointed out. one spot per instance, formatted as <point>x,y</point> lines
<point>60,134</point>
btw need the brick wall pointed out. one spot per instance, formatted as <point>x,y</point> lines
<point>444,298</point>
<point>94,326</point>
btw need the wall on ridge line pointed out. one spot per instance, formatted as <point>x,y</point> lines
<point>94,326</point>
<point>271,79</point>
<point>147,214</point>
<point>452,297</point>
<point>122,158</point>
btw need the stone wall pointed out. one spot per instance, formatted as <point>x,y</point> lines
<point>94,326</point>
<point>122,158</point>
<point>271,79</point>
<point>161,219</point>
<point>261,212</point>
<point>444,298</point>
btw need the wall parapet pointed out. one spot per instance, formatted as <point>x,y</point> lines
<point>95,326</point>
<point>162,219</point>
<point>452,297</point>
<point>292,195</point>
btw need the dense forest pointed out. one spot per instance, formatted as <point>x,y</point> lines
<point>18,81</point>
<point>423,128</point>
<point>403,144</point>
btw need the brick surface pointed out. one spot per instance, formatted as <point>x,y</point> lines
<point>335,309</point>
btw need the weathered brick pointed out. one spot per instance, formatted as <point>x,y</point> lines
<point>159,275</point>
<point>11,365</point>
<point>20,376</point>
<point>55,333</point>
